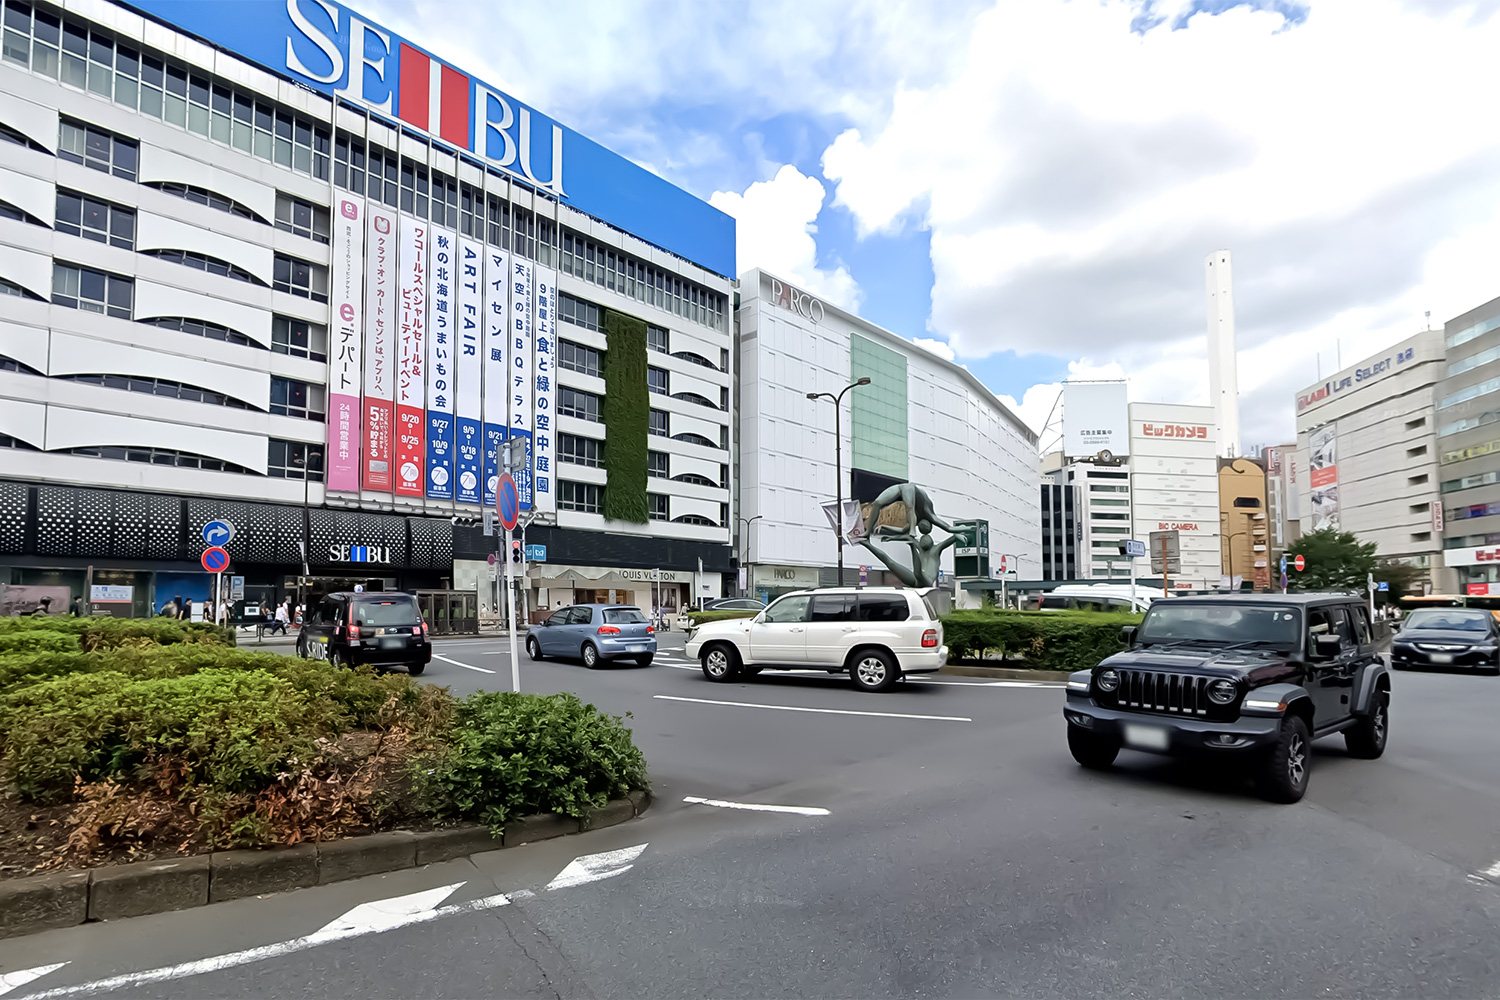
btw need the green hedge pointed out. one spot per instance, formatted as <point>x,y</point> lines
<point>1036,640</point>
<point>627,411</point>
<point>704,617</point>
<point>103,632</point>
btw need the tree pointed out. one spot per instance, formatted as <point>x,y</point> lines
<point>1335,560</point>
<point>1402,578</point>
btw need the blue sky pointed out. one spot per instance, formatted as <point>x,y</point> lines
<point>1036,183</point>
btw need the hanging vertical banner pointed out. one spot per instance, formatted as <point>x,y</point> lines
<point>380,353</point>
<point>346,282</point>
<point>522,371</point>
<point>411,387</point>
<point>440,373</point>
<point>468,333</point>
<point>496,370</point>
<point>544,437</point>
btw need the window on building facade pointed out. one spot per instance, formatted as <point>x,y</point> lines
<point>576,357</point>
<point>92,291</point>
<point>158,387</point>
<point>658,424</point>
<point>656,380</point>
<point>97,148</point>
<point>656,508</point>
<point>300,277</point>
<point>294,460</point>
<point>203,262</point>
<point>579,450</point>
<point>585,497</point>
<point>101,221</point>
<point>158,456</point>
<point>619,272</point>
<point>301,218</point>
<point>293,398</point>
<point>299,338</point>
<point>695,399</point>
<point>693,358</point>
<point>656,464</point>
<point>203,196</point>
<point>6,441</point>
<point>578,312</point>
<point>697,519</point>
<point>200,328</point>
<point>576,403</point>
<point>10,364</point>
<point>656,338</point>
<point>691,438</point>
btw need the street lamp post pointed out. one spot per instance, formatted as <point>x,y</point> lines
<point>745,562</point>
<point>838,463</point>
<point>304,464</point>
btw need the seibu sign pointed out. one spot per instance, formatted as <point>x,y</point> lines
<point>796,301</point>
<point>359,553</point>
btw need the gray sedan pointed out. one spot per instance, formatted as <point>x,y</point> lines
<point>594,633</point>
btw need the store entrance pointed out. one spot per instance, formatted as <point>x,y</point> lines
<point>311,590</point>
<point>450,612</point>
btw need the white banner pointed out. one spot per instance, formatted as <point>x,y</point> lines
<point>544,437</point>
<point>1094,419</point>
<point>496,371</point>
<point>440,362</point>
<point>522,371</point>
<point>411,373</point>
<point>468,367</point>
<point>380,346</point>
<point>342,463</point>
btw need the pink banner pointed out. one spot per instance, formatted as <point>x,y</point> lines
<point>347,286</point>
<point>411,384</point>
<point>380,350</point>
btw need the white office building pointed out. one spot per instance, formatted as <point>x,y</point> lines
<point>1174,483</point>
<point>922,419</point>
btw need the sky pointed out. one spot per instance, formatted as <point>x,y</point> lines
<point>1031,187</point>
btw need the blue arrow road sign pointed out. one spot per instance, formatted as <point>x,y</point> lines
<point>218,533</point>
<point>1283,565</point>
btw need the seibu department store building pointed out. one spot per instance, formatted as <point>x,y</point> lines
<point>274,264</point>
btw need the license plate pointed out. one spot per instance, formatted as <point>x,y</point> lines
<point>637,649</point>
<point>1440,657</point>
<point>392,642</point>
<point>1146,737</point>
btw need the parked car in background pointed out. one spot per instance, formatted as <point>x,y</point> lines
<point>1448,637</point>
<point>747,605</point>
<point>382,629</point>
<point>877,635</point>
<point>594,633</point>
<point>1098,597</point>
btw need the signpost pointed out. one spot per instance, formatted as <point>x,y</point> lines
<point>236,588</point>
<point>217,532</point>
<point>216,561</point>
<point>1132,549</point>
<point>1166,557</point>
<point>508,506</point>
<point>864,575</point>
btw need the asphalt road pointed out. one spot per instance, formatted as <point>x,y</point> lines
<point>956,858</point>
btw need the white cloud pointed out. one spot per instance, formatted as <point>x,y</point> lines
<point>938,347</point>
<point>1037,404</point>
<point>775,228</point>
<point>1071,200</point>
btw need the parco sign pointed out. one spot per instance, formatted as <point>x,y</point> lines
<point>796,301</point>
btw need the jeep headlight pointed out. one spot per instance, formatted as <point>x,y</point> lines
<point>1221,691</point>
<point>1108,681</point>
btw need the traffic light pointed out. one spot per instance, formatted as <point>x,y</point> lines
<point>515,550</point>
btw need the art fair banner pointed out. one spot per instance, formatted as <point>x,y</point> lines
<point>469,367</point>
<point>496,329</point>
<point>440,371</point>
<point>347,294</point>
<point>522,372</point>
<point>544,436</point>
<point>380,346</point>
<point>411,371</point>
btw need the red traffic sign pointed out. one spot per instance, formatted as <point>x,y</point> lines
<point>215,559</point>
<point>1300,563</point>
<point>507,502</point>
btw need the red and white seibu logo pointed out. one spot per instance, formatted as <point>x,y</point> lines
<point>1487,555</point>
<point>428,94</point>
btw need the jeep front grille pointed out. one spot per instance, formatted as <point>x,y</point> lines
<point>1153,691</point>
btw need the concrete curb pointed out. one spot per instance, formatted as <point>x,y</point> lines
<point>64,899</point>
<point>1004,673</point>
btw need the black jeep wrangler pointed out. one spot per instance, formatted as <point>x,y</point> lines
<point>1256,675</point>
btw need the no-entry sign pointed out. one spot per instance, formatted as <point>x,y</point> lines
<point>1300,563</point>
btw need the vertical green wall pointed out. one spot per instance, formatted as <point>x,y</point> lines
<point>627,411</point>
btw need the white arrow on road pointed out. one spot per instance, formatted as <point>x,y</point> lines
<point>15,980</point>
<point>593,867</point>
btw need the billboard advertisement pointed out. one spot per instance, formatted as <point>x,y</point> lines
<point>1095,419</point>
<point>331,49</point>
<point>522,372</point>
<point>380,347</point>
<point>469,406</point>
<point>440,373</point>
<point>1323,476</point>
<point>495,329</point>
<point>346,292</point>
<point>544,438</point>
<point>411,358</point>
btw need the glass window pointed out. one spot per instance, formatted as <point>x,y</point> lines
<point>205,197</point>
<point>579,450</point>
<point>299,338</point>
<point>80,215</point>
<point>92,291</point>
<point>656,338</point>
<point>585,497</point>
<point>656,506</point>
<point>201,328</point>
<point>832,608</point>
<point>293,398</point>
<point>575,403</point>
<point>94,147</point>
<point>578,358</point>
<point>883,608</point>
<point>656,464</point>
<point>301,218</point>
<point>294,460</point>
<point>203,262</point>
<point>788,610</point>
<point>658,425</point>
<point>300,277</point>
<point>656,380</point>
<point>578,312</point>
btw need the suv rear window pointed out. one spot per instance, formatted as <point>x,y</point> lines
<point>624,616</point>
<point>387,611</point>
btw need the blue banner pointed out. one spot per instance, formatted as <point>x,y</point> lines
<point>522,476</point>
<point>470,466</point>
<point>494,440</point>
<point>439,455</point>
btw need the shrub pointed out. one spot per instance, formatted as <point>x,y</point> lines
<point>513,754</point>
<point>704,617</point>
<point>1042,640</point>
<point>111,633</point>
<point>17,669</point>
<point>36,641</point>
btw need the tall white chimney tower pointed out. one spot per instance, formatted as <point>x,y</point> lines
<point>1223,377</point>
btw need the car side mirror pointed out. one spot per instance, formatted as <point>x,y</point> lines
<point>1127,635</point>
<point>1326,646</point>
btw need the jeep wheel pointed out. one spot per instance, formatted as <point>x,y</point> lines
<point>721,663</point>
<point>1093,751</point>
<point>1282,774</point>
<point>1366,738</point>
<point>873,670</point>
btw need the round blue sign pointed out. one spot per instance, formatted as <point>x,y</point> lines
<point>215,560</point>
<point>507,502</point>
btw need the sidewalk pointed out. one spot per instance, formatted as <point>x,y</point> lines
<point>245,638</point>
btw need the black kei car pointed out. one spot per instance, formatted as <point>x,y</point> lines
<point>1448,637</point>
<point>1256,677</point>
<point>382,629</point>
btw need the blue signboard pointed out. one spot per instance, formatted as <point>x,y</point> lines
<point>536,553</point>
<point>494,440</point>
<point>217,533</point>
<point>470,468</point>
<point>329,48</point>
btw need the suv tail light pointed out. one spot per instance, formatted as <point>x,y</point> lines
<point>929,638</point>
<point>351,631</point>
<point>607,630</point>
<point>421,629</point>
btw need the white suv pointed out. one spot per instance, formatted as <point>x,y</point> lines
<point>874,634</point>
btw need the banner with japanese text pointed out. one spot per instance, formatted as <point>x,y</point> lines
<point>346,291</point>
<point>411,374</point>
<point>380,346</point>
<point>496,370</point>
<point>544,436</point>
<point>523,374</point>
<point>469,408</point>
<point>440,373</point>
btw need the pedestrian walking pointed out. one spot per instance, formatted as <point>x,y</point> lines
<point>279,623</point>
<point>184,609</point>
<point>76,608</point>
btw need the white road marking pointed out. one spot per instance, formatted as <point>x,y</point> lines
<point>481,670</point>
<point>757,806</point>
<point>1492,872</point>
<point>819,711</point>
<point>593,867</point>
<point>15,980</point>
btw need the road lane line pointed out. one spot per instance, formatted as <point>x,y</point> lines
<point>1492,872</point>
<point>819,711</point>
<point>15,980</point>
<point>757,806</point>
<point>480,670</point>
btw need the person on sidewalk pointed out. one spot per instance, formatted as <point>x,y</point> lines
<point>278,624</point>
<point>185,610</point>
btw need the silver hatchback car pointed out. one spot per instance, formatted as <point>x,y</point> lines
<point>594,633</point>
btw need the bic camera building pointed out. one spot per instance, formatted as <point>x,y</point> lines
<point>921,418</point>
<point>272,263</point>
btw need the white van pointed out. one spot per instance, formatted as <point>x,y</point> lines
<point>1097,597</point>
